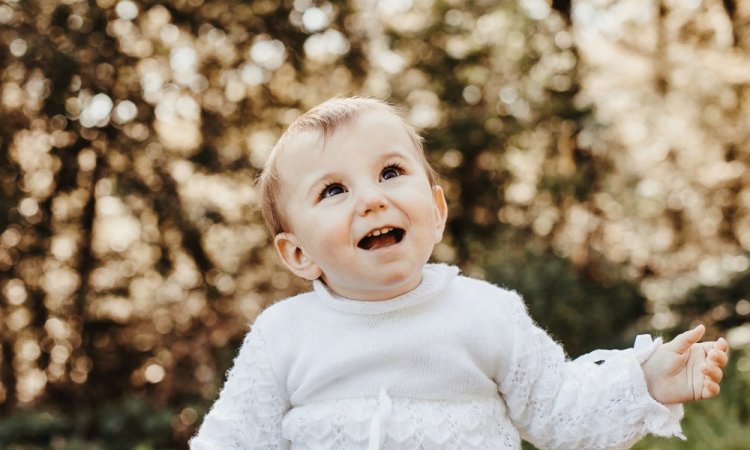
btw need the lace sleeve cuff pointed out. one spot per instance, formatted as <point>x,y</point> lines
<point>660,420</point>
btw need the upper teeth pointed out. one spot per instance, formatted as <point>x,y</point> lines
<point>380,231</point>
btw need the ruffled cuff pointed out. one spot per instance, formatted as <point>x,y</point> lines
<point>659,419</point>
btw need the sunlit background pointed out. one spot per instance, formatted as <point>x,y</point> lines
<point>594,152</point>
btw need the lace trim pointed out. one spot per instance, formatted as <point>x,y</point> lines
<point>412,424</point>
<point>435,278</point>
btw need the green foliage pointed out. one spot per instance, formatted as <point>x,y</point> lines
<point>506,120</point>
<point>726,306</point>
<point>584,310</point>
<point>127,423</point>
<point>33,427</point>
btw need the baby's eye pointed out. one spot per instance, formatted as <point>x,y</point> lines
<point>331,190</point>
<point>391,172</point>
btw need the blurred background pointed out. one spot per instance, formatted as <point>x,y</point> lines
<point>594,155</point>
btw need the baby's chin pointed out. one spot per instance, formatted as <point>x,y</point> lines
<point>382,288</point>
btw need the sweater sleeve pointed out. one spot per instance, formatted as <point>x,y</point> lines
<point>582,404</point>
<point>250,407</point>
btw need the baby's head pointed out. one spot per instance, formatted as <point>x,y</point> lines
<point>350,198</point>
<point>323,121</point>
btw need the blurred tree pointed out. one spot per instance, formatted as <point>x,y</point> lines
<point>594,156</point>
<point>116,276</point>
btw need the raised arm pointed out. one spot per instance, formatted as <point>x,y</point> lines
<point>250,408</point>
<point>589,404</point>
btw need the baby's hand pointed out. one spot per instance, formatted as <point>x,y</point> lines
<point>683,370</point>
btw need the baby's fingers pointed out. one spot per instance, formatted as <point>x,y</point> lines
<point>682,342</point>
<point>712,369</point>
<point>712,373</point>
<point>718,358</point>
<point>710,389</point>
<point>721,345</point>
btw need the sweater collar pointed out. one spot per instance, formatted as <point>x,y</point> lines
<point>435,278</point>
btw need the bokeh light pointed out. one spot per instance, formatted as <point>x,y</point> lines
<point>611,136</point>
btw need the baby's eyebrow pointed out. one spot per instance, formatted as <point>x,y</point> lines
<point>312,189</point>
<point>392,155</point>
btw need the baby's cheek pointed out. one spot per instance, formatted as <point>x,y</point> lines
<point>330,236</point>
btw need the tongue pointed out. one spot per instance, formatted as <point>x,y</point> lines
<point>375,242</point>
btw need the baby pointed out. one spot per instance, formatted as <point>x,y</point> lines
<point>388,351</point>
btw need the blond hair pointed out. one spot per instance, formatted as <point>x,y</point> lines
<point>325,118</point>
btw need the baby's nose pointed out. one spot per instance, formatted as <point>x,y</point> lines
<point>369,200</point>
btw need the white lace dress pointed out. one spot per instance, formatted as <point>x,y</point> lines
<point>454,364</point>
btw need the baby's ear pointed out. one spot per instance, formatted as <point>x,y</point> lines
<point>294,257</point>
<point>441,212</point>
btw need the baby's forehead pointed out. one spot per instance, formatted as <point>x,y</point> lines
<point>303,143</point>
<point>314,139</point>
<point>290,159</point>
<point>304,147</point>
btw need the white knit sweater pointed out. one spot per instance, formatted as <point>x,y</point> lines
<point>454,364</point>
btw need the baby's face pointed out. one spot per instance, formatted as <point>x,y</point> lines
<point>361,210</point>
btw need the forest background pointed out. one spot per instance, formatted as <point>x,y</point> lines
<point>594,156</point>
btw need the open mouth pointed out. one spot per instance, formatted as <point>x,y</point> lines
<point>382,237</point>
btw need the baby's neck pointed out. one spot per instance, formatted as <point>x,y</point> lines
<point>373,295</point>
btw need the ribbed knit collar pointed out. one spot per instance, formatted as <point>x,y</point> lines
<point>435,278</point>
